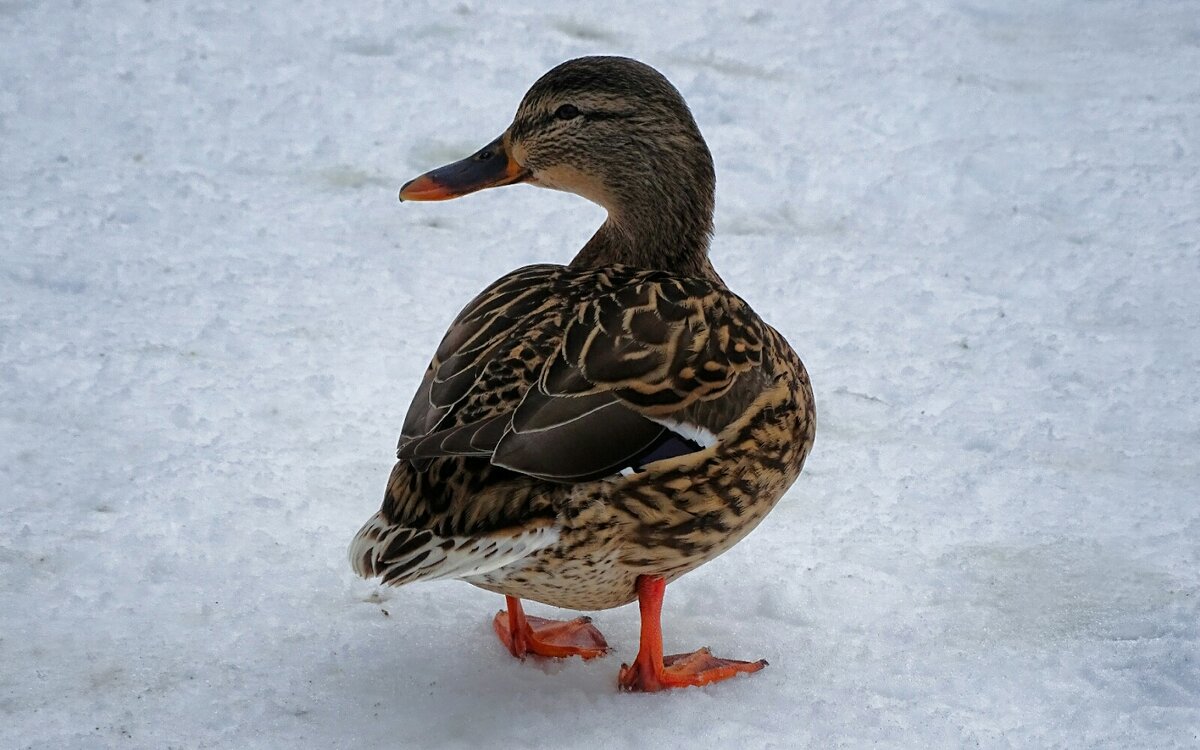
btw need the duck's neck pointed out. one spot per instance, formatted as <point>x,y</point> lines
<point>661,232</point>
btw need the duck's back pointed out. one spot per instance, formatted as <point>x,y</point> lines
<point>551,378</point>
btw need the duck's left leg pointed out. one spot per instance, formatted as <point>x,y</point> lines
<point>652,671</point>
<point>556,638</point>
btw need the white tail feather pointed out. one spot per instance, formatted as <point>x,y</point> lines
<point>400,555</point>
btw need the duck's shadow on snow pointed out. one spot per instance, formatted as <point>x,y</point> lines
<point>459,686</point>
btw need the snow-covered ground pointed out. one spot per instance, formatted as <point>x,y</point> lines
<point>978,223</point>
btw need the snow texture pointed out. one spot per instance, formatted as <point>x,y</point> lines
<point>977,222</point>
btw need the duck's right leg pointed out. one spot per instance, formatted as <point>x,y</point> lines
<point>651,671</point>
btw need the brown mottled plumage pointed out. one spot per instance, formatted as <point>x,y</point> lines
<point>622,417</point>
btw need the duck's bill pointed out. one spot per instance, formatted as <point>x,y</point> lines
<point>491,166</point>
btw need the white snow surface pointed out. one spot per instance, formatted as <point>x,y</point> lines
<point>977,222</point>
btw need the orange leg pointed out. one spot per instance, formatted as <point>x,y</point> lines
<point>651,671</point>
<point>556,638</point>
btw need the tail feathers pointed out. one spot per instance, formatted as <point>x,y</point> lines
<point>400,555</point>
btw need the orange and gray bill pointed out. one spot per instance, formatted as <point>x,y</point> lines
<point>491,166</point>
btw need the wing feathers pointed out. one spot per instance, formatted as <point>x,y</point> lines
<point>595,444</point>
<point>568,374</point>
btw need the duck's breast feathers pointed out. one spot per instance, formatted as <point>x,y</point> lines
<point>575,374</point>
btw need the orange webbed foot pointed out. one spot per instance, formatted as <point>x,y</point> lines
<point>651,671</point>
<point>699,667</point>
<point>523,635</point>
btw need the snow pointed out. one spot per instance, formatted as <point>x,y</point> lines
<point>977,223</point>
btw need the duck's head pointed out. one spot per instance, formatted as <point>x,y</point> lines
<point>614,131</point>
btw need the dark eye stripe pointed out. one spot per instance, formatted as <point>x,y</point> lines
<point>604,115</point>
<point>542,121</point>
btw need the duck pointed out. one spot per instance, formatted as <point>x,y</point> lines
<point>587,433</point>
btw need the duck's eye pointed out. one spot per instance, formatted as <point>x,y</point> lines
<point>567,112</point>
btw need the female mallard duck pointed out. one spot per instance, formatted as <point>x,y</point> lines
<point>588,433</point>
